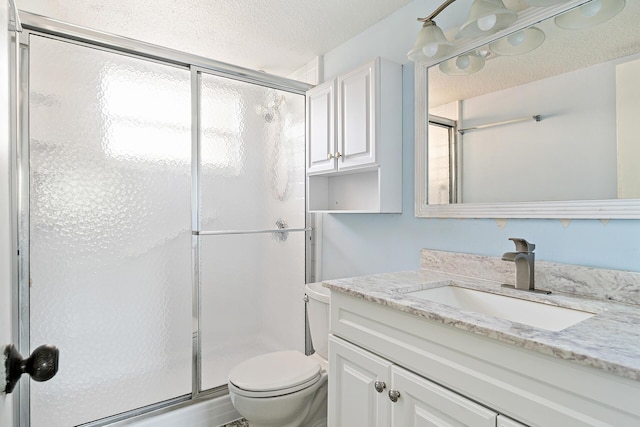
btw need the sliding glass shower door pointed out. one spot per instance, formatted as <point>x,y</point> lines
<point>251,180</point>
<point>162,228</point>
<point>110,230</point>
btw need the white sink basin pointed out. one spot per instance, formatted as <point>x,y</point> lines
<point>530,313</point>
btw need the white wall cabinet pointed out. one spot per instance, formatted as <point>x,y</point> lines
<point>368,390</point>
<point>354,141</point>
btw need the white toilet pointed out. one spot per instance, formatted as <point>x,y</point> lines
<point>287,388</point>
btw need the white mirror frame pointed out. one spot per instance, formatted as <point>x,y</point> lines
<point>581,209</point>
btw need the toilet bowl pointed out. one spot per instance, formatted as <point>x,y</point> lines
<point>287,388</point>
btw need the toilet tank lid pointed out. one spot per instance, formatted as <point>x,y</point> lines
<point>318,292</point>
<point>274,371</point>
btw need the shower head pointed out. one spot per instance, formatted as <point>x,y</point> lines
<point>271,109</point>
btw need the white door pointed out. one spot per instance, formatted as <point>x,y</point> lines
<point>423,403</point>
<point>354,399</point>
<point>357,116</point>
<point>321,147</point>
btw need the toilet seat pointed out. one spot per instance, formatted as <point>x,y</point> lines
<point>274,374</point>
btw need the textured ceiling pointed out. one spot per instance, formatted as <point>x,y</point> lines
<point>277,36</point>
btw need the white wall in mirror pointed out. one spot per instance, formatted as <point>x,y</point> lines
<point>569,155</point>
<point>628,111</point>
<point>502,171</point>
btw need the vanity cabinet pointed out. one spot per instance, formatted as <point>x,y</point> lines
<point>449,376</point>
<point>368,390</point>
<point>354,141</point>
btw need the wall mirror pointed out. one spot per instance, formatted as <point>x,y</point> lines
<point>537,122</point>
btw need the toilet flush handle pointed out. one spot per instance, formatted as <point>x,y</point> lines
<point>308,342</point>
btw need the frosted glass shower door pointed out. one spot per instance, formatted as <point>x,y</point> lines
<point>251,179</point>
<point>110,231</point>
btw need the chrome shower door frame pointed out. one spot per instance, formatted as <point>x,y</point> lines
<point>38,25</point>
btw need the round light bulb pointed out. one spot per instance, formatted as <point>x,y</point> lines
<point>430,50</point>
<point>487,22</point>
<point>591,9</point>
<point>516,39</point>
<point>463,61</point>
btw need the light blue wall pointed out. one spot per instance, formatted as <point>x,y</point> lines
<point>356,244</point>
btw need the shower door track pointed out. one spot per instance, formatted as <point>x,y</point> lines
<point>43,26</point>
<point>49,26</point>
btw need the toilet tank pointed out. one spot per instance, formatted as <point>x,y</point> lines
<point>318,309</point>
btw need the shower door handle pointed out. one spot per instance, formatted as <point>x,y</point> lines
<point>42,365</point>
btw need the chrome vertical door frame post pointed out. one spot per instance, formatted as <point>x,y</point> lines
<point>195,224</point>
<point>13,85</point>
<point>20,101</point>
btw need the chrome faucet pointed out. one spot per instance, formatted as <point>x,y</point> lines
<point>524,258</point>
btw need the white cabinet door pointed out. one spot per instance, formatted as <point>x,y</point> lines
<point>423,403</point>
<point>508,422</point>
<point>321,147</point>
<point>353,399</point>
<point>357,119</point>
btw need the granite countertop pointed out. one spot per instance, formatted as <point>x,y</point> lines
<point>610,340</point>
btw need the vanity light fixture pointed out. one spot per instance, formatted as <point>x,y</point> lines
<point>487,17</point>
<point>431,42</point>
<point>463,65</point>
<point>590,14</point>
<point>518,43</point>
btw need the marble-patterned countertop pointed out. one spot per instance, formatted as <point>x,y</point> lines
<point>610,340</point>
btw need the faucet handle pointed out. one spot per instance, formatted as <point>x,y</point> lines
<point>522,245</point>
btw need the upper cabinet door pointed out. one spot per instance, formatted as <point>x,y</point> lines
<point>357,116</point>
<point>321,147</point>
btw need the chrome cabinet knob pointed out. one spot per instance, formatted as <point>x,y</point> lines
<point>394,395</point>
<point>338,155</point>
<point>379,386</point>
<point>329,156</point>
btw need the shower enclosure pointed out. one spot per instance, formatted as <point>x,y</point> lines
<point>162,228</point>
